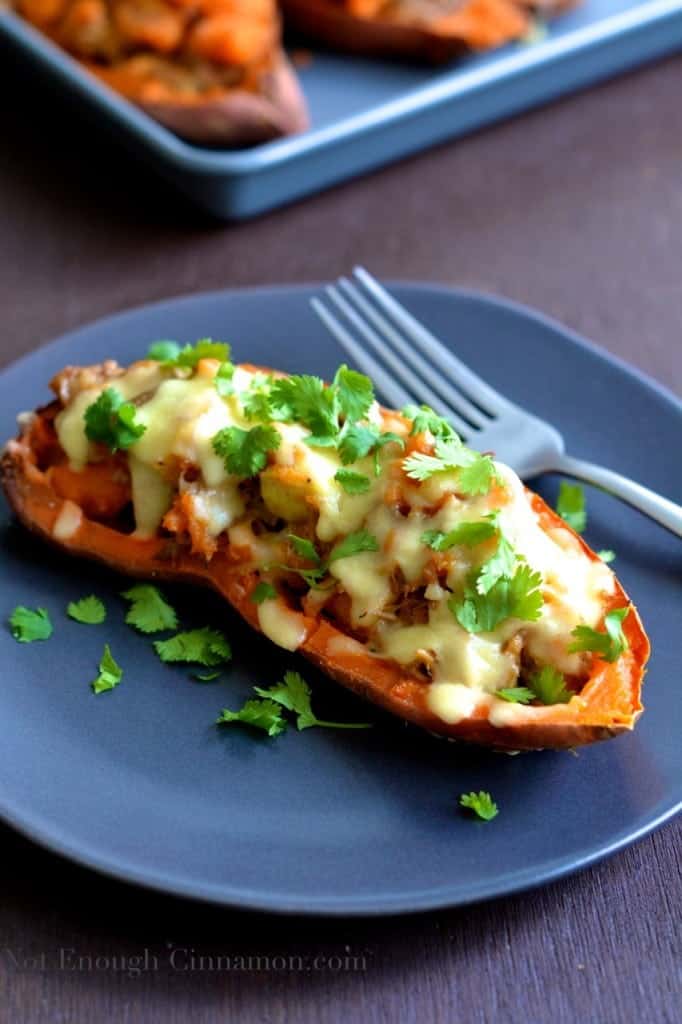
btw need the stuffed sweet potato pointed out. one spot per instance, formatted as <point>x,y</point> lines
<point>212,71</point>
<point>414,571</point>
<point>430,30</point>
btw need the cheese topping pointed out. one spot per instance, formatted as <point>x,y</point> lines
<point>399,594</point>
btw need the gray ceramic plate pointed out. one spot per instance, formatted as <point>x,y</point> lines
<point>138,783</point>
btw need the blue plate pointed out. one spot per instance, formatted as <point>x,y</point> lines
<point>140,784</point>
<point>367,113</point>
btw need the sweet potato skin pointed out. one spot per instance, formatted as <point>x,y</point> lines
<point>609,703</point>
<point>486,24</point>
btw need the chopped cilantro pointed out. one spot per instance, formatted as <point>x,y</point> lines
<point>206,677</point>
<point>306,400</point>
<point>111,421</point>
<point>293,693</point>
<point>263,591</point>
<point>89,610</point>
<point>469,534</point>
<point>516,694</point>
<point>499,565</point>
<point>110,673</point>
<point>425,419</point>
<point>149,612</point>
<point>260,714</point>
<point>549,686</point>
<point>245,452</point>
<point>164,351</point>
<point>304,548</point>
<point>352,482</point>
<point>354,393</point>
<point>223,380</point>
<point>353,544</point>
<point>607,555</point>
<point>28,624</point>
<point>203,646</point>
<point>518,597</point>
<point>571,505</point>
<point>609,645</point>
<point>481,803</point>
<point>476,472</point>
<point>357,441</point>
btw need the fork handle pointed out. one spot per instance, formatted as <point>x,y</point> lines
<point>664,511</point>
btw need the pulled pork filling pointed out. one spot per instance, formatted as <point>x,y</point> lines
<point>424,552</point>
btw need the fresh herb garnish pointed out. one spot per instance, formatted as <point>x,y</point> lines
<point>571,505</point>
<point>245,452</point>
<point>112,421</point>
<point>110,673</point>
<point>201,646</point>
<point>206,677</point>
<point>353,544</point>
<point>468,534</point>
<point>223,380</point>
<point>549,686</point>
<point>263,591</point>
<point>607,555</point>
<point>352,482</point>
<point>516,694</point>
<point>171,355</point>
<point>260,714</point>
<point>481,803</point>
<point>28,624</point>
<point>164,351</point>
<point>293,693</point>
<point>475,472</point>
<point>425,419</point>
<point>609,645</point>
<point>516,597</point>
<point>149,612</point>
<point>89,610</point>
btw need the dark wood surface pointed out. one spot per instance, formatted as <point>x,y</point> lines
<point>575,209</point>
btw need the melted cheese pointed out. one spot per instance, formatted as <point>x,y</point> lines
<point>283,626</point>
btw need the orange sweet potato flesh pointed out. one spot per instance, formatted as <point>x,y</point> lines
<point>213,71</point>
<point>609,702</point>
<point>416,29</point>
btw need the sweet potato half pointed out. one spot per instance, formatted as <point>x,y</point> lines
<point>82,512</point>
<point>427,30</point>
<point>213,71</point>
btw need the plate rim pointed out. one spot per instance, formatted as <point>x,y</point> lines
<point>35,828</point>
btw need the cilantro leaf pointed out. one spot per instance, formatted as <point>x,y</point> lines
<point>28,625</point>
<point>111,421</point>
<point>549,686</point>
<point>263,591</point>
<point>478,477</point>
<point>164,351</point>
<point>468,534</point>
<point>607,555</point>
<point>149,612</point>
<point>190,355</point>
<point>481,803</point>
<point>304,548</point>
<point>256,399</point>
<point>497,566</point>
<point>357,441</point>
<point>89,610</point>
<point>352,482</point>
<point>518,597</point>
<point>223,380</point>
<point>476,472</point>
<point>353,544</point>
<point>425,419</point>
<point>260,714</point>
<point>110,673</point>
<point>609,645</point>
<point>354,393</point>
<point>306,400</point>
<point>245,452</point>
<point>571,505</point>
<point>516,694</point>
<point>203,646</point>
<point>293,693</point>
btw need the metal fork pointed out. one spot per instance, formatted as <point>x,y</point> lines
<point>415,367</point>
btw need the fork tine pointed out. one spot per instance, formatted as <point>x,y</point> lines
<point>396,365</point>
<point>389,388</point>
<point>469,382</point>
<point>434,377</point>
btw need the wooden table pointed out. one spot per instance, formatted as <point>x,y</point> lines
<point>575,209</point>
